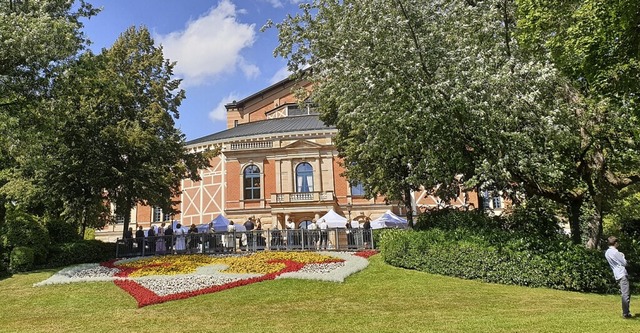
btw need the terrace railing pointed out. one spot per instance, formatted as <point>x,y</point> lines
<point>336,239</point>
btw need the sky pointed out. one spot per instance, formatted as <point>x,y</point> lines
<point>220,52</point>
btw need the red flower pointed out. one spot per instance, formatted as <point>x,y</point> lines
<point>366,254</point>
<point>146,297</point>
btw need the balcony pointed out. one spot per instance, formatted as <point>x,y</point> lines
<point>306,197</point>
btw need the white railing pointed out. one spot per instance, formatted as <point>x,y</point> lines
<point>296,197</point>
<point>251,145</point>
<point>302,197</point>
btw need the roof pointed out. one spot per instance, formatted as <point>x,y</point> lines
<point>269,126</point>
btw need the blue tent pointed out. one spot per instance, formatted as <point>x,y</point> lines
<point>202,228</point>
<point>220,223</point>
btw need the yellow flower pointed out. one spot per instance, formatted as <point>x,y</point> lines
<point>257,263</point>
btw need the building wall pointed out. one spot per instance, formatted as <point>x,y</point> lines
<point>202,201</point>
<point>221,189</point>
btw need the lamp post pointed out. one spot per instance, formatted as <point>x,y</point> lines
<point>349,206</point>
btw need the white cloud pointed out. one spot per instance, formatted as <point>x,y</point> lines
<point>280,75</point>
<point>251,71</point>
<point>275,3</point>
<point>220,112</point>
<point>279,3</point>
<point>210,45</point>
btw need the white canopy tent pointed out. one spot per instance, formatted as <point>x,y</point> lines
<point>333,219</point>
<point>389,220</point>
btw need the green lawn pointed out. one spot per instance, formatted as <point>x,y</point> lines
<point>379,299</point>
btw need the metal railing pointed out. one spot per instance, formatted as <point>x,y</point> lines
<point>280,198</point>
<point>335,239</point>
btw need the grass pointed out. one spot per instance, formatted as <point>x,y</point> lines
<point>381,298</point>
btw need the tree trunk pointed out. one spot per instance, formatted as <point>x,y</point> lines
<point>125,212</point>
<point>83,225</point>
<point>574,220</point>
<point>595,225</point>
<point>409,207</point>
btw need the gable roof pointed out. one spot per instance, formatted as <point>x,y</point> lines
<point>269,126</point>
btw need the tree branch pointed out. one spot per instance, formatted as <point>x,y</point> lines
<point>621,182</point>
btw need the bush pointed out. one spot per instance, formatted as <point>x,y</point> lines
<point>4,267</point>
<point>85,251</point>
<point>23,229</point>
<point>89,234</point>
<point>535,217</point>
<point>450,219</point>
<point>510,260</point>
<point>61,231</point>
<point>21,259</point>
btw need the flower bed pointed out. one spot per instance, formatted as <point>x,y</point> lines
<point>153,280</point>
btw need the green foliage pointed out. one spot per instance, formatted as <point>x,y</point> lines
<point>449,219</point>
<point>61,231</point>
<point>535,217</point>
<point>118,109</point>
<point>4,263</point>
<point>90,234</point>
<point>21,259</point>
<point>86,251</point>
<point>23,229</point>
<point>499,257</point>
<point>517,95</point>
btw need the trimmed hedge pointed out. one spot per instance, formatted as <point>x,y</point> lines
<point>511,260</point>
<point>84,251</point>
<point>21,259</point>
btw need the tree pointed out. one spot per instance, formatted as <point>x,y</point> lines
<point>38,38</point>
<point>447,88</point>
<point>118,139</point>
<point>596,45</point>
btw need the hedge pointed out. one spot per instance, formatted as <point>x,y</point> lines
<point>514,260</point>
<point>83,251</point>
<point>21,259</point>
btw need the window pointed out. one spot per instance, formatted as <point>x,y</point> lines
<point>490,202</point>
<point>235,123</point>
<point>304,178</point>
<point>251,182</point>
<point>157,214</point>
<point>485,200</point>
<point>357,190</point>
<point>497,202</point>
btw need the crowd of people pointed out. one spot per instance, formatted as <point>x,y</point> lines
<point>169,239</point>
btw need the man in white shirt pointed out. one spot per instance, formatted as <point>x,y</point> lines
<point>323,234</point>
<point>618,263</point>
<point>313,227</point>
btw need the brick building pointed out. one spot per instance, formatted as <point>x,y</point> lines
<point>278,161</point>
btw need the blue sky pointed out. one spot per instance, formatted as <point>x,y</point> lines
<point>222,55</point>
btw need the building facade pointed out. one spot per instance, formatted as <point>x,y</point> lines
<point>278,161</point>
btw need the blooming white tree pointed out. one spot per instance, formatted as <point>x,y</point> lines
<point>424,91</point>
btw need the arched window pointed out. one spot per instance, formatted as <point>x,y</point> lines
<point>304,178</point>
<point>251,182</point>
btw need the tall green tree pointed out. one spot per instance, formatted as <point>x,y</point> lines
<point>596,45</point>
<point>119,141</point>
<point>447,88</point>
<point>37,38</point>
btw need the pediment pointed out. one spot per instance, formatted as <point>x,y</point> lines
<point>301,144</point>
